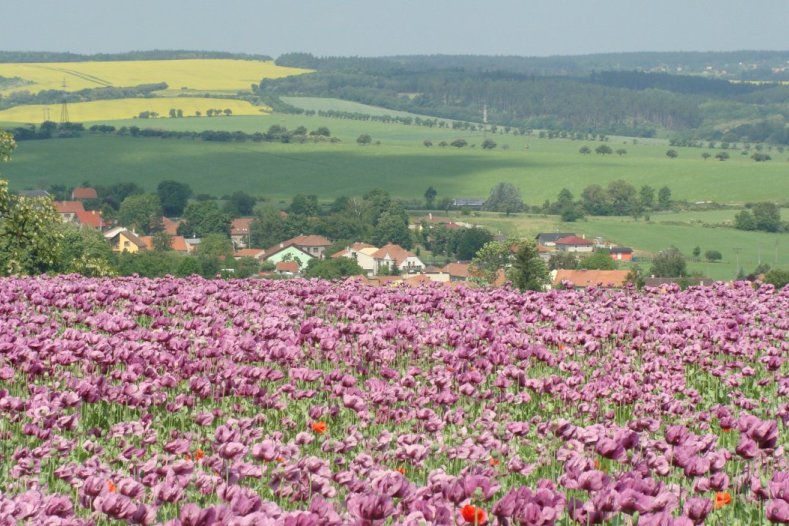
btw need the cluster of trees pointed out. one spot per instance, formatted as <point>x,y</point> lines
<point>760,216</point>
<point>455,244</point>
<point>156,54</point>
<point>23,97</point>
<point>618,198</point>
<point>374,218</point>
<point>275,133</point>
<point>518,261</point>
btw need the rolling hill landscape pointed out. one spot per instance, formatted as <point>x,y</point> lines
<point>460,264</point>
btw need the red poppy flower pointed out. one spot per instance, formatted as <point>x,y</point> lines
<point>401,470</point>
<point>722,498</point>
<point>319,427</point>
<point>199,454</point>
<point>473,515</point>
<point>112,488</point>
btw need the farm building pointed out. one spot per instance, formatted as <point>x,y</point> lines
<point>549,239</point>
<point>621,253</point>
<point>590,278</point>
<point>574,244</point>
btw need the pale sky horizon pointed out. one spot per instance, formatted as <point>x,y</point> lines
<point>396,27</point>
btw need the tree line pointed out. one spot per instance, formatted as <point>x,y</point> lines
<point>23,97</point>
<point>156,54</point>
<point>275,133</point>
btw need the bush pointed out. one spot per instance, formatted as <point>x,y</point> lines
<point>713,255</point>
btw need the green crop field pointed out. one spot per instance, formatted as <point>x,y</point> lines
<point>749,248</point>
<point>400,164</point>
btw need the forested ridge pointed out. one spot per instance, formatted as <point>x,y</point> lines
<point>157,54</point>
<point>636,103</point>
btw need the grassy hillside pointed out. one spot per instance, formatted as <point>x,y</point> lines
<point>127,108</point>
<point>198,74</point>
<point>662,231</point>
<point>329,104</point>
<point>400,164</point>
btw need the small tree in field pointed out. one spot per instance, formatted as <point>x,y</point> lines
<point>713,255</point>
<point>672,154</point>
<point>364,139</point>
<point>603,149</point>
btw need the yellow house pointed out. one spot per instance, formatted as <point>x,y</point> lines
<point>122,240</point>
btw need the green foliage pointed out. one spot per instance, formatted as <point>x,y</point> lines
<point>528,271</point>
<point>488,144</point>
<point>603,149</point>
<point>268,228</point>
<point>504,197</point>
<point>470,241</point>
<point>669,263</point>
<point>214,252</point>
<point>767,217</point>
<point>173,196</point>
<point>672,154</point>
<point>240,204</point>
<point>246,267</point>
<point>30,239</point>
<point>7,145</point>
<point>364,139</point>
<point>305,205</point>
<point>713,255</point>
<point>622,197</point>
<point>459,143</point>
<point>599,260</point>
<point>141,213</point>
<point>203,218</point>
<point>84,251</point>
<point>430,196</point>
<point>392,227</point>
<point>696,251</point>
<point>148,264</point>
<point>562,260</point>
<point>585,150</point>
<point>636,277</point>
<point>188,266</point>
<point>162,241</point>
<point>336,268</point>
<point>779,278</point>
<point>490,259</point>
<point>744,220</point>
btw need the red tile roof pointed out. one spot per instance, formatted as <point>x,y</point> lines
<point>240,226</point>
<point>91,218</point>
<point>309,241</point>
<point>177,243</point>
<point>250,252</point>
<point>459,270</point>
<point>69,207</point>
<point>592,278</point>
<point>84,192</point>
<point>288,266</point>
<point>170,226</point>
<point>573,240</point>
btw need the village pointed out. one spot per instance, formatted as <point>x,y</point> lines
<point>389,264</point>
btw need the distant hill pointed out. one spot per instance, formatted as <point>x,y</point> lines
<point>687,95</point>
<point>54,56</point>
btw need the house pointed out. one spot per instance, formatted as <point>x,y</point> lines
<point>549,239</point>
<point>177,244</point>
<point>123,240</point>
<point>392,256</point>
<point>544,252</point>
<point>91,219</point>
<point>68,210</point>
<point>287,268</point>
<point>239,231</point>
<point>436,274</point>
<point>457,271</point>
<point>621,253</point>
<point>313,245</point>
<point>170,226</point>
<point>431,221</point>
<point>590,278</point>
<point>81,193</point>
<point>574,244</point>
<point>470,203</point>
<point>257,253</point>
<point>362,253</point>
<point>284,252</point>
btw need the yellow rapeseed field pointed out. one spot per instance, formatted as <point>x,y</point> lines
<point>105,110</point>
<point>192,74</point>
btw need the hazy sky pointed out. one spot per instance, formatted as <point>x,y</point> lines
<point>375,27</point>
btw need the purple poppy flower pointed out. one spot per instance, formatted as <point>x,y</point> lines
<point>697,509</point>
<point>777,511</point>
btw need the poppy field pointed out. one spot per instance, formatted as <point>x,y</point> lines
<point>306,403</point>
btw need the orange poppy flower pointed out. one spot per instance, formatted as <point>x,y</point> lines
<point>279,459</point>
<point>401,470</point>
<point>199,454</point>
<point>494,461</point>
<point>473,515</point>
<point>319,427</point>
<point>722,498</point>
<point>112,488</point>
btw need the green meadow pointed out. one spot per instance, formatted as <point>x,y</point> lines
<point>400,164</point>
<point>683,230</point>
